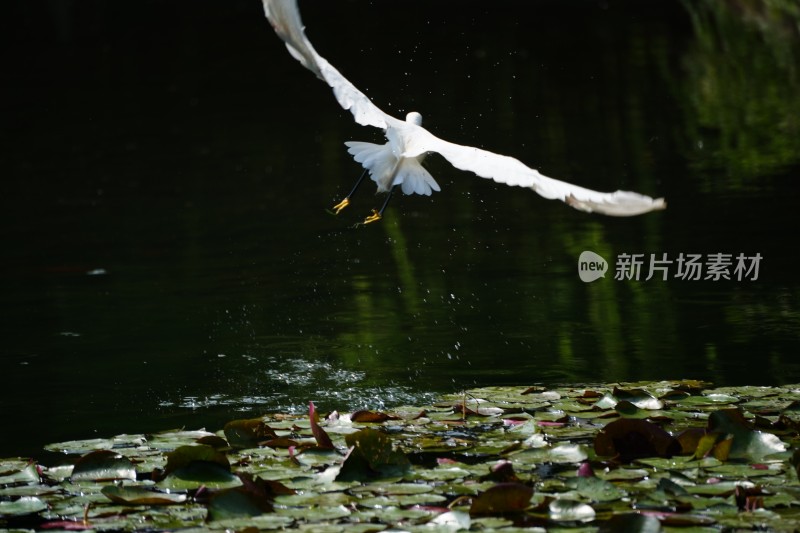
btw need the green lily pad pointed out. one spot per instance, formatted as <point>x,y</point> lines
<point>186,455</point>
<point>103,465</point>
<point>372,456</point>
<point>598,490</point>
<point>80,446</point>
<point>197,474</point>
<point>248,433</point>
<point>563,510</point>
<point>141,496</point>
<point>747,443</point>
<point>730,470</point>
<point>638,397</point>
<point>26,473</point>
<point>22,506</point>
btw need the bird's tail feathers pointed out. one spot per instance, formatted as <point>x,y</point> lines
<point>415,179</point>
<point>384,170</point>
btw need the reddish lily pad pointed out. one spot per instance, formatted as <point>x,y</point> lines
<point>322,438</point>
<point>372,417</point>
<point>630,439</point>
<point>501,499</point>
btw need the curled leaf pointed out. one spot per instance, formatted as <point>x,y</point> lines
<point>320,435</point>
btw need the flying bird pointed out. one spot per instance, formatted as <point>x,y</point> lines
<point>399,161</point>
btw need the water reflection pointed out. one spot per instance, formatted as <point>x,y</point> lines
<point>741,93</point>
<point>166,212</point>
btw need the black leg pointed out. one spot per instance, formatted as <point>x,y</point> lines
<point>344,203</point>
<point>378,214</point>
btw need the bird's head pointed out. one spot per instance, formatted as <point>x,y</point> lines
<point>414,118</point>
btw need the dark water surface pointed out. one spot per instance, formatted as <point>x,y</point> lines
<point>168,261</point>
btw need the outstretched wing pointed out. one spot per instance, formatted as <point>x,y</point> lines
<point>285,19</point>
<point>505,169</point>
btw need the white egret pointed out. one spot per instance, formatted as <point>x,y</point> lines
<point>398,162</point>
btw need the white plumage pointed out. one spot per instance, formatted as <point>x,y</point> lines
<point>398,162</point>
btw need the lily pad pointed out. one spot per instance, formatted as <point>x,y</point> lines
<point>501,499</point>
<point>248,433</point>
<point>185,455</point>
<point>372,456</point>
<point>22,506</point>
<point>563,510</point>
<point>103,465</point>
<point>630,439</point>
<point>141,496</point>
<point>730,468</point>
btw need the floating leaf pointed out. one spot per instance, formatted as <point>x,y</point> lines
<point>564,510</point>
<point>606,402</point>
<point>372,456</point>
<point>632,438</point>
<point>254,497</point>
<point>708,399</point>
<point>197,474</point>
<point>372,417</point>
<point>192,466</point>
<point>25,474</point>
<point>690,439</point>
<point>183,456</point>
<point>233,503</point>
<point>598,490</point>
<point>80,446</point>
<point>477,411</point>
<point>141,496</point>
<point>103,465</point>
<point>215,441</point>
<point>280,442</point>
<point>638,397</point>
<point>501,499</point>
<point>248,433</point>
<point>455,458</point>
<point>563,453</point>
<point>501,472</point>
<point>632,523</point>
<point>629,410</point>
<point>22,506</point>
<point>451,521</point>
<point>748,443</point>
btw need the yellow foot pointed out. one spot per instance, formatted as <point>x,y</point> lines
<point>374,217</point>
<point>341,205</point>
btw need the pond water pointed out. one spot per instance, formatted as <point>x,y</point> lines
<point>168,259</point>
